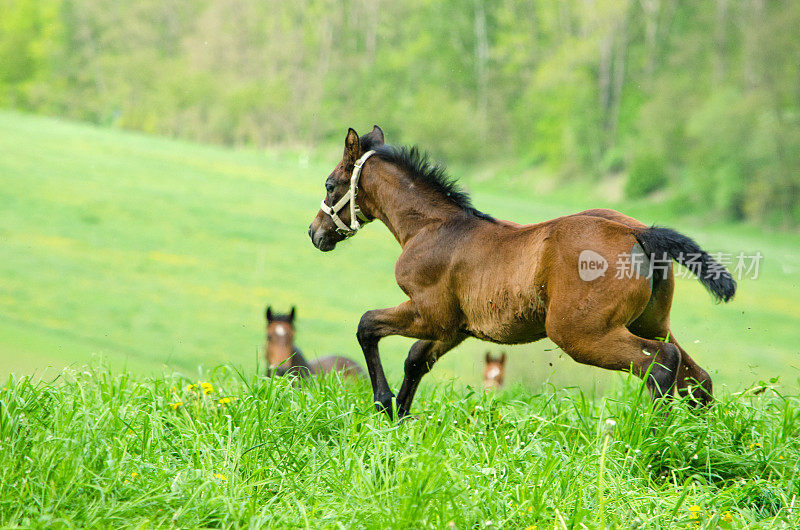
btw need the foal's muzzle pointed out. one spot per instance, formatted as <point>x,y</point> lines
<point>322,239</point>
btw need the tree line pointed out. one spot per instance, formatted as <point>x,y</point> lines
<point>700,99</point>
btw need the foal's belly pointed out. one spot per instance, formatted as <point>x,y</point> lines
<point>510,332</point>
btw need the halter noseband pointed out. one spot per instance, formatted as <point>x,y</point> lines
<point>349,197</point>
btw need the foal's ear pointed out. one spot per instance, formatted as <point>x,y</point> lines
<point>377,136</point>
<point>352,147</point>
<point>503,358</point>
<point>291,315</point>
<point>268,313</point>
<point>488,357</point>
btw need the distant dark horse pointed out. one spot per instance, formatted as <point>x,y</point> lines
<point>283,357</point>
<point>467,274</point>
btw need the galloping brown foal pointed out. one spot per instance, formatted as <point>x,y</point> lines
<point>283,357</point>
<point>467,274</point>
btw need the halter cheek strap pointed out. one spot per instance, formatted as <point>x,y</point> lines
<point>349,198</point>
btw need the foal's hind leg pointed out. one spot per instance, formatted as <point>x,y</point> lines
<point>693,381</point>
<point>619,349</point>
<point>653,323</point>
<point>420,360</point>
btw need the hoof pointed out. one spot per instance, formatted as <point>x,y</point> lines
<point>404,415</point>
<point>698,395</point>
<point>664,372</point>
<point>385,404</point>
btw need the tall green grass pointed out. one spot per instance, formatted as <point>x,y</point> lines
<point>94,448</point>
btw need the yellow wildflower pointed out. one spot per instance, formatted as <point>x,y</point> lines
<point>694,512</point>
<point>191,388</point>
<point>225,401</point>
<point>728,517</point>
<point>176,405</point>
<point>134,474</point>
<point>220,476</point>
<point>207,388</point>
<point>755,445</point>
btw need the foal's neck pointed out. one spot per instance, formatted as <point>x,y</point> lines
<point>298,360</point>
<point>403,205</point>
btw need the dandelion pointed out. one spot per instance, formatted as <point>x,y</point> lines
<point>225,401</point>
<point>191,388</point>
<point>207,388</point>
<point>694,512</point>
<point>176,405</point>
<point>755,445</point>
<point>134,474</point>
<point>220,477</point>
<point>728,517</point>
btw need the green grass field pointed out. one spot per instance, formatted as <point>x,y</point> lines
<point>99,449</point>
<point>150,252</point>
<point>151,260</point>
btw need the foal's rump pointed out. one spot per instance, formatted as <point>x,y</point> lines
<point>605,244</point>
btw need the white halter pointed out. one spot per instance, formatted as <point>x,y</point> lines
<point>349,197</point>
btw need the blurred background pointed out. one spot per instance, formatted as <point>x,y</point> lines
<point>160,198</point>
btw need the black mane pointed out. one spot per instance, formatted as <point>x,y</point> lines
<point>420,168</point>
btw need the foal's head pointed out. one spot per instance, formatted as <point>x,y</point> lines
<point>494,372</point>
<point>280,338</point>
<point>324,232</point>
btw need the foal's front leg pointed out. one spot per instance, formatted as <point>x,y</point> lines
<point>420,360</point>
<point>376,324</point>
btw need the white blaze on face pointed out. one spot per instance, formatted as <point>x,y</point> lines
<point>493,372</point>
<point>280,332</point>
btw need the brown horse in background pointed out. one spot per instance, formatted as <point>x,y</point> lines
<point>494,371</point>
<point>283,357</point>
<point>467,274</point>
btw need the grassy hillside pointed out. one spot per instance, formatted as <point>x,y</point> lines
<point>105,450</point>
<point>152,252</point>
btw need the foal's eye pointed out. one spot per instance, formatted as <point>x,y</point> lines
<point>329,185</point>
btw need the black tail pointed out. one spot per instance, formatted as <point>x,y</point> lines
<point>660,242</point>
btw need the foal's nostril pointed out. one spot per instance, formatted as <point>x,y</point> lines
<point>310,232</point>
